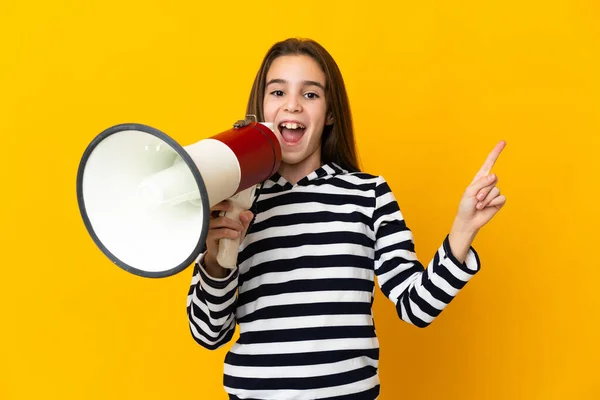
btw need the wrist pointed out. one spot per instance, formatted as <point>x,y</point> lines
<point>461,238</point>
<point>462,228</point>
<point>213,268</point>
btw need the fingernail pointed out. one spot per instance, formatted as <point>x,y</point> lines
<point>480,196</point>
<point>491,177</point>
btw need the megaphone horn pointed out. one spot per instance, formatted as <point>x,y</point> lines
<point>145,200</point>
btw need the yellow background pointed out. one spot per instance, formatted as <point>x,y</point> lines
<point>433,87</point>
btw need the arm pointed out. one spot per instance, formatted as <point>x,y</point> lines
<point>419,294</point>
<point>211,306</point>
<point>212,296</point>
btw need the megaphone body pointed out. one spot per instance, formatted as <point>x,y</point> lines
<point>145,200</point>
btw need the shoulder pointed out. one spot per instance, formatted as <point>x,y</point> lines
<point>372,186</point>
<point>379,188</point>
<point>360,177</point>
<point>369,183</point>
<point>355,182</point>
<point>354,176</point>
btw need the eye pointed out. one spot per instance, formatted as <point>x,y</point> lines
<point>311,95</point>
<point>277,93</point>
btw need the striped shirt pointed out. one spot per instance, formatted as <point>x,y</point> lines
<point>303,291</point>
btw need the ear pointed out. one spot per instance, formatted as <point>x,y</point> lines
<point>329,120</point>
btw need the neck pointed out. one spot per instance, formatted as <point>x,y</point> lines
<point>294,172</point>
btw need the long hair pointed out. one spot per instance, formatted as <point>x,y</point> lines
<point>337,142</point>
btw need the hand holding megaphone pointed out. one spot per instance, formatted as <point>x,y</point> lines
<point>228,226</point>
<point>145,200</point>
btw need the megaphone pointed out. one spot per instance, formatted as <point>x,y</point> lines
<point>145,200</point>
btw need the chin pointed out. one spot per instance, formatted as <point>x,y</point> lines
<point>291,160</point>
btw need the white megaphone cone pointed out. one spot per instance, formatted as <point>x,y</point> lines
<point>145,200</point>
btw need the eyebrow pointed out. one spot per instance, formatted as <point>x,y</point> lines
<point>306,83</point>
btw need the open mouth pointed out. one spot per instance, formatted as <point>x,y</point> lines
<point>291,132</point>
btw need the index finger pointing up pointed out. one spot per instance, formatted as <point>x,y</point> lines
<point>491,159</point>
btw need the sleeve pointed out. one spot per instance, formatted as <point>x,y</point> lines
<point>211,307</point>
<point>419,294</point>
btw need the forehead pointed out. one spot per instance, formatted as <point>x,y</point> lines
<point>296,68</point>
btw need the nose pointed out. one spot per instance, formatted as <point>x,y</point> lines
<point>292,105</point>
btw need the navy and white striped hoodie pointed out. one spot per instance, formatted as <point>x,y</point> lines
<point>303,291</point>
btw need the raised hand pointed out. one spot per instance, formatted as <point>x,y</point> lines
<point>482,198</point>
<point>480,202</point>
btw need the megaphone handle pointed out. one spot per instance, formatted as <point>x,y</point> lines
<point>228,248</point>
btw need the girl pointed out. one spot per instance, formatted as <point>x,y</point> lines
<point>304,285</point>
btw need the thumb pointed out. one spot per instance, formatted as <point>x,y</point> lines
<point>245,219</point>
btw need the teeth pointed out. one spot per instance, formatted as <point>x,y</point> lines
<point>292,125</point>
